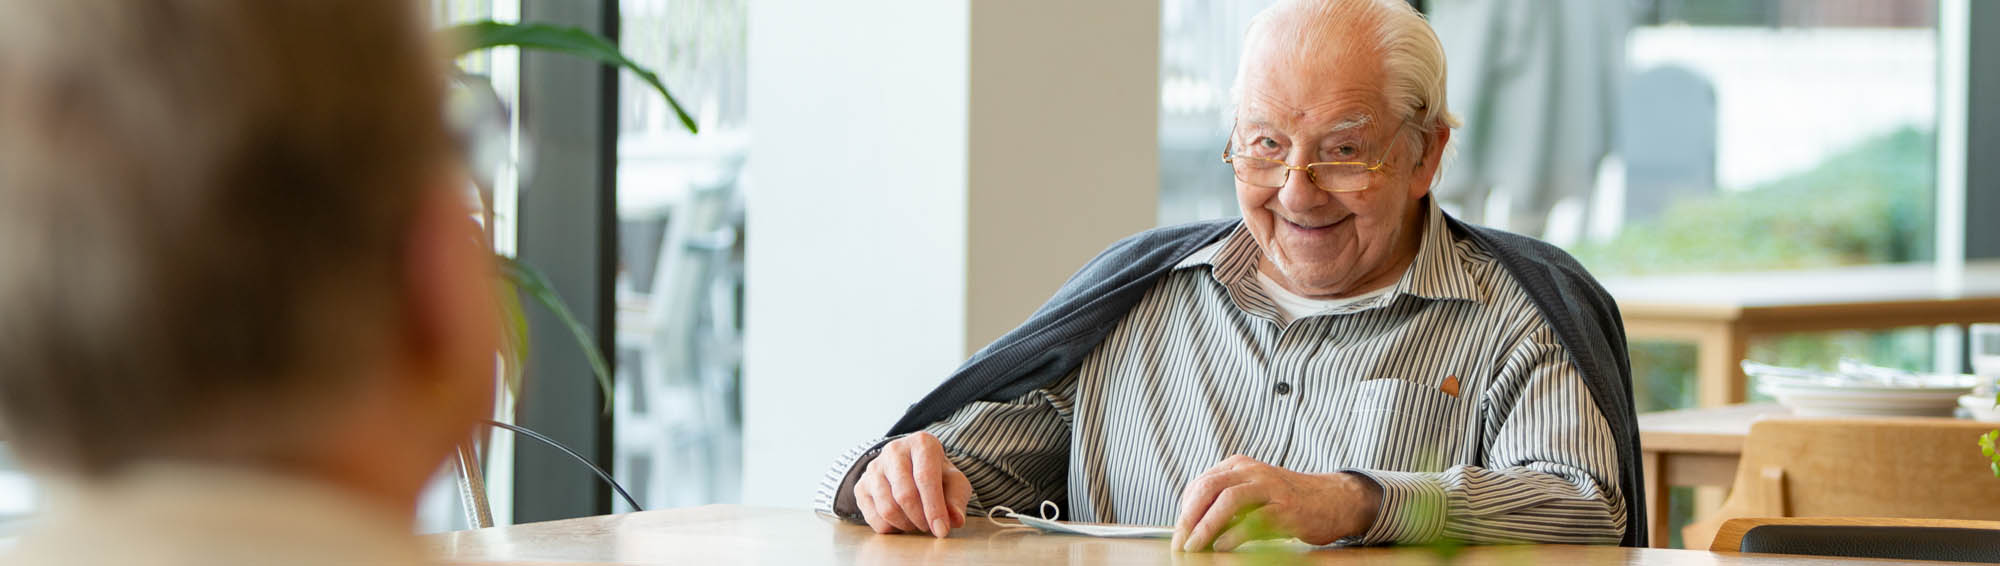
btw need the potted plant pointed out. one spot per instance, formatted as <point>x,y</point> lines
<point>474,100</point>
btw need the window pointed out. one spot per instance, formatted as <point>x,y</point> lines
<point>1772,135</point>
<point>1813,124</point>
<point>1200,41</point>
<point>677,417</point>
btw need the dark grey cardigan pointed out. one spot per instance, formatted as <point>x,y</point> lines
<point>1056,338</point>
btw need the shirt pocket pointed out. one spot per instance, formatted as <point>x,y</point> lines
<point>1402,425</point>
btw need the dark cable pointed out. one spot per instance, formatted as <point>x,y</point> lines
<point>572,453</point>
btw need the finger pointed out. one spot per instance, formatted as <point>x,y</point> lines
<point>892,513</point>
<point>903,493</point>
<point>866,502</point>
<point>868,496</point>
<point>1200,493</point>
<point>1219,516</point>
<point>885,506</point>
<point>895,467</point>
<point>928,463</point>
<point>957,492</point>
<point>1255,525</point>
<point>1196,498</point>
<point>875,521</point>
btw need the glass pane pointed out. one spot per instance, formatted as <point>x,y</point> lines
<point>1199,43</point>
<point>680,278</point>
<point>1771,135</point>
<point>1716,135</point>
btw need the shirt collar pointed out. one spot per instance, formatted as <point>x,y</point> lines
<point>1438,273</point>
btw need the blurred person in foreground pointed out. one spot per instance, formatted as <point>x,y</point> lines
<point>1344,364</point>
<point>244,315</point>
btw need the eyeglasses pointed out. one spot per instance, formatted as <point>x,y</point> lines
<point>1329,176</point>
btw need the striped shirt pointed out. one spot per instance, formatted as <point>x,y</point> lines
<point>1450,391</point>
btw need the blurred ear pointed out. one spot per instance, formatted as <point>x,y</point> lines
<point>1424,172</point>
<point>451,320</point>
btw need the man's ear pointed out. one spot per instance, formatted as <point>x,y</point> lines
<point>1424,171</point>
<point>450,320</point>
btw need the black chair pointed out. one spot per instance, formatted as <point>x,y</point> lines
<point>1886,538</point>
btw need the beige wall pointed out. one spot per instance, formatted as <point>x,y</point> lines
<point>1064,145</point>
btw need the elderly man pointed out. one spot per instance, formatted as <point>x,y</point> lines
<point>243,314</point>
<point>1344,364</point>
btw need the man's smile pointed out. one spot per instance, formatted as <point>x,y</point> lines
<point>1313,228</point>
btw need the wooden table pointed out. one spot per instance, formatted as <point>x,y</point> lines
<point>728,534</point>
<point>1720,313</point>
<point>1693,447</point>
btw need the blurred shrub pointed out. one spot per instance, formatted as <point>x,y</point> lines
<point>1662,375</point>
<point>1868,204</point>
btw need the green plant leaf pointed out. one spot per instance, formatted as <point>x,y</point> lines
<point>514,321</point>
<point>1986,446</point>
<point>531,281</point>
<point>475,36</point>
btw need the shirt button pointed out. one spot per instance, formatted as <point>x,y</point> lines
<point>1282,388</point>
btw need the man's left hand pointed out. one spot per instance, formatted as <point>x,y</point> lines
<point>1242,499</point>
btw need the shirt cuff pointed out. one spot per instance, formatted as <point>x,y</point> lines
<point>1411,511</point>
<point>835,496</point>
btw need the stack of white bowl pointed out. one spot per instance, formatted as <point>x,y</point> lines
<point>1979,403</point>
<point>1863,390</point>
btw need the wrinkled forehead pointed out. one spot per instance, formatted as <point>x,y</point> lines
<point>1296,83</point>
<point>1285,106</point>
<point>1357,123</point>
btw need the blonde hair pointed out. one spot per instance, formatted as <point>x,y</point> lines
<point>1412,57</point>
<point>202,210</point>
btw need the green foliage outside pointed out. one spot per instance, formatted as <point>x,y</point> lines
<point>1869,204</point>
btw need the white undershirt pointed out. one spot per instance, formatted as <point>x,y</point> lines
<point>1292,306</point>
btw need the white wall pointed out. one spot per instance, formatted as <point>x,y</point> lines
<point>855,237</point>
<point>923,174</point>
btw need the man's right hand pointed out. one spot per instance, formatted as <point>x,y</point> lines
<point>911,487</point>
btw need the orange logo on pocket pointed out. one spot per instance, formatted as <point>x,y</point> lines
<point>1450,386</point>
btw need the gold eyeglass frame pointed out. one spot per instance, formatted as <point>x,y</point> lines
<point>1230,157</point>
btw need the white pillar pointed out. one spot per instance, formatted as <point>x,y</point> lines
<point>923,174</point>
<point>1953,121</point>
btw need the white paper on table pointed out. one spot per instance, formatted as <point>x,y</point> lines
<point>1047,523</point>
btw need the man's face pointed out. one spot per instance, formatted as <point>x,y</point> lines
<point>1306,108</point>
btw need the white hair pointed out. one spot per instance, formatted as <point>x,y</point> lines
<point>1412,57</point>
